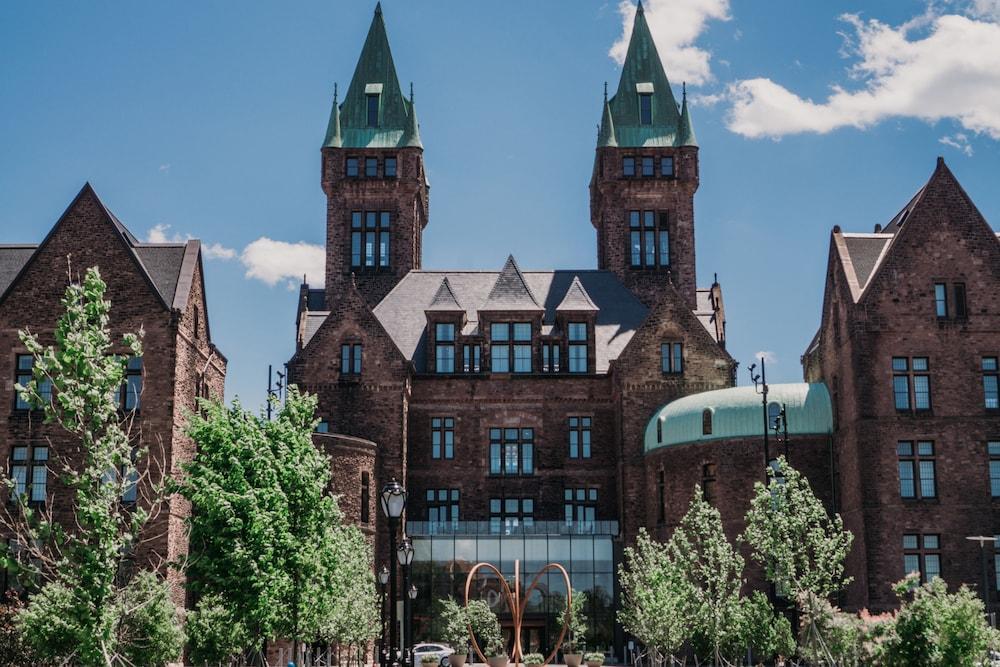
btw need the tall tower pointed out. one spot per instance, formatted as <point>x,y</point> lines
<point>645,176</point>
<point>373,177</point>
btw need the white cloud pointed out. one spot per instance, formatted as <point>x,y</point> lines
<point>273,261</point>
<point>675,25</point>
<point>160,234</point>
<point>985,9</point>
<point>958,141</point>
<point>948,71</point>
<point>768,356</point>
<point>165,167</point>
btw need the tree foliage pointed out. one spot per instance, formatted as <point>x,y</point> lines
<point>86,612</point>
<point>454,625</point>
<point>486,627</point>
<point>576,623</point>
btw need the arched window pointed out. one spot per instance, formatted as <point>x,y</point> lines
<point>706,421</point>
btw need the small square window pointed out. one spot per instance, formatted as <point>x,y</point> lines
<point>931,542</point>
<point>989,363</point>
<point>390,167</point>
<point>920,363</point>
<point>628,166</point>
<point>899,364</point>
<point>909,541</point>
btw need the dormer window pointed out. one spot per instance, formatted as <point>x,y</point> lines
<point>577,347</point>
<point>444,337</point>
<point>646,108</point>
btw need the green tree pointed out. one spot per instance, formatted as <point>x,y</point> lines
<point>713,573</point>
<point>768,635</point>
<point>353,618</point>
<point>86,612</point>
<point>801,546</point>
<point>454,625</point>
<point>936,628</point>
<point>486,627</point>
<point>655,596</point>
<point>576,622</point>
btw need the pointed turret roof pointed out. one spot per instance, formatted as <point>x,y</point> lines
<point>375,74</point>
<point>510,291</point>
<point>643,73</point>
<point>333,138</point>
<point>685,132</point>
<point>606,136</point>
<point>411,137</point>
<point>445,299</point>
<point>577,299</point>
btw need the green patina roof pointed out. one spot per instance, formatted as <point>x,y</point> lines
<point>644,68</point>
<point>685,133</point>
<point>375,71</point>
<point>737,413</point>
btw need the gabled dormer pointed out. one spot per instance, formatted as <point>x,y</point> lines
<point>511,322</point>
<point>373,176</point>
<point>446,319</point>
<point>576,319</point>
<point>645,176</point>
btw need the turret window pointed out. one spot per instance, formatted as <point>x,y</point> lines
<point>390,167</point>
<point>645,109</point>
<point>371,167</point>
<point>648,165</point>
<point>628,166</point>
<point>372,110</point>
<point>370,239</point>
<point>667,166</point>
<point>649,239</point>
<point>352,167</point>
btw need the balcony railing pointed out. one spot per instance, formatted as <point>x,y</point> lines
<point>503,527</point>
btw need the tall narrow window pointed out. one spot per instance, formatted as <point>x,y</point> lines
<point>922,555</point>
<point>993,451</point>
<point>649,239</point>
<point>672,357</point>
<point>917,472</point>
<point>350,359</point>
<point>579,437</point>
<point>471,357</point>
<point>352,167</point>
<point>961,309</point>
<point>706,422</point>
<point>522,347</point>
<point>365,497</point>
<point>577,347</point>
<point>661,495</point>
<point>131,391</point>
<point>911,383</point>
<point>25,364</point>
<point>512,451</point>
<point>500,347</point>
<point>991,388</point>
<point>443,438</point>
<point>370,238</point>
<point>550,357</point>
<point>708,482</point>
<point>389,167</point>
<point>645,109</point>
<point>648,166</point>
<point>371,167</point>
<point>628,166</point>
<point>29,472</point>
<point>666,166</point>
<point>941,300</point>
<point>372,110</point>
<point>444,339</point>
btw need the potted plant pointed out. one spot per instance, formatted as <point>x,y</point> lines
<point>428,660</point>
<point>594,659</point>
<point>486,626</point>
<point>534,659</point>
<point>576,628</point>
<point>455,631</point>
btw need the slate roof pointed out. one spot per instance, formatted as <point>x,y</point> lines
<point>12,258</point>
<point>576,299</point>
<point>402,314</point>
<point>163,264</point>
<point>705,311</point>
<point>510,291</point>
<point>444,299</point>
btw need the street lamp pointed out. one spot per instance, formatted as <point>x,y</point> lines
<point>383,579</point>
<point>760,386</point>
<point>409,620</point>
<point>983,541</point>
<point>404,554</point>
<point>393,502</point>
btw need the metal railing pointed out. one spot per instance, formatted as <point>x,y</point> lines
<point>502,527</point>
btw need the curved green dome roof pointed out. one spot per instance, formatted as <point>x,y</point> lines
<point>737,413</point>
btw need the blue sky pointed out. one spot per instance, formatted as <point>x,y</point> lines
<point>206,120</point>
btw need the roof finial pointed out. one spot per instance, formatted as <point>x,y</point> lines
<point>684,89</point>
<point>638,8</point>
<point>378,8</point>
<point>411,92</point>
<point>605,91</point>
<point>334,92</point>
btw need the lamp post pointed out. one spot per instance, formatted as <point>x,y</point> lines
<point>393,502</point>
<point>412,593</point>
<point>760,386</point>
<point>404,554</point>
<point>383,580</point>
<point>983,541</point>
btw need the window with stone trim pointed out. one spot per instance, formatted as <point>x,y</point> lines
<point>628,166</point>
<point>366,495</point>
<point>672,358</point>
<point>922,555</point>
<point>917,469</point>
<point>350,359</point>
<point>579,437</point>
<point>24,365</point>
<point>941,300</point>
<point>580,507</point>
<point>667,166</point>
<point>649,239</point>
<point>389,167</point>
<point>370,231</point>
<point>550,357</point>
<point>508,514</point>
<point>911,384</point>
<point>442,437</point>
<point>444,347</point>
<point>955,308</point>
<point>648,166</point>
<point>442,505</point>
<point>510,347</point>
<point>578,346</point>
<point>993,451</point>
<point>352,167</point>
<point>472,354</point>
<point>991,386</point>
<point>371,167</point>
<point>512,451</point>
<point>29,472</point>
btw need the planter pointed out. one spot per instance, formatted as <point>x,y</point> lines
<point>457,659</point>
<point>498,661</point>
<point>595,663</point>
<point>573,659</point>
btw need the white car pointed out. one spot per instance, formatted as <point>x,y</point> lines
<point>440,651</point>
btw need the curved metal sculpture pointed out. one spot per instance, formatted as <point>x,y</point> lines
<point>517,604</point>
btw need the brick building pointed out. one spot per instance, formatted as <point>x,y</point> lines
<point>159,288</point>
<point>512,404</point>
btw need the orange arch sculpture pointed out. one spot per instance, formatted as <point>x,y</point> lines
<point>518,603</point>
